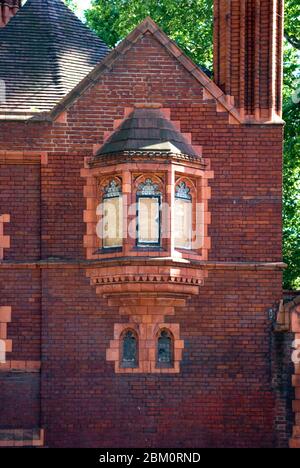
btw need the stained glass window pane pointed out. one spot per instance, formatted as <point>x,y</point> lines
<point>129,356</point>
<point>148,220</point>
<point>165,349</point>
<point>183,223</point>
<point>112,222</point>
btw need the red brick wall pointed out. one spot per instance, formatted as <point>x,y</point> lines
<point>19,400</point>
<point>224,390</point>
<point>223,395</point>
<point>20,198</point>
<point>248,39</point>
<point>20,288</point>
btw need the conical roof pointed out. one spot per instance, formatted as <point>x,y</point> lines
<point>148,131</point>
<point>45,51</point>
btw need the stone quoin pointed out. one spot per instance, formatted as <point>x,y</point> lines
<point>141,300</point>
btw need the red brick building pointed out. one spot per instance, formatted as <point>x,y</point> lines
<point>140,236</point>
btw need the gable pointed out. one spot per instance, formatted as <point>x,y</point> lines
<point>148,49</point>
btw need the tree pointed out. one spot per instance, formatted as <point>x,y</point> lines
<point>71,4</point>
<point>291,115</point>
<point>189,23</point>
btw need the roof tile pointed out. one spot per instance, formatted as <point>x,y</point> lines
<point>45,51</point>
<point>144,130</point>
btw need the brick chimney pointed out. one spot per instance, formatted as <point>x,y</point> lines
<point>8,9</point>
<point>248,38</point>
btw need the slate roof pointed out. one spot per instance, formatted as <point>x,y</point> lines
<point>147,130</point>
<point>45,51</point>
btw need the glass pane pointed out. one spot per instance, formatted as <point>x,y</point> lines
<point>183,223</point>
<point>148,220</point>
<point>129,358</point>
<point>112,222</point>
<point>164,352</point>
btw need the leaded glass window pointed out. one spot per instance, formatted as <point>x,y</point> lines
<point>165,349</point>
<point>183,217</point>
<point>113,215</point>
<point>129,349</point>
<point>149,214</point>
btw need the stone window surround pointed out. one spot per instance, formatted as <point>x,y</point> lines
<point>147,334</point>
<point>131,175</point>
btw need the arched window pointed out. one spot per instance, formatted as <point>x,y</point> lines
<point>165,349</point>
<point>112,216</point>
<point>183,215</point>
<point>149,214</point>
<point>129,342</point>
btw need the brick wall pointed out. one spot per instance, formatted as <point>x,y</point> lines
<point>19,400</point>
<point>20,197</point>
<point>222,397</point>
<point>282,371</point>
<point>224,390</point>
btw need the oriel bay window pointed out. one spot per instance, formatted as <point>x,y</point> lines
<point>112,215</point>
<point>149,200</point>
<point>147,217</point>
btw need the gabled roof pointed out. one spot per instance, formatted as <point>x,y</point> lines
<point>147,131</point>
<point>148,25</point>
<point>45,51</point>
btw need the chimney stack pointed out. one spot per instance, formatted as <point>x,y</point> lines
<point>8,9</point>
<point>248,45</point>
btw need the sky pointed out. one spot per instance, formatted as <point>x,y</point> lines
<point>81,6</point>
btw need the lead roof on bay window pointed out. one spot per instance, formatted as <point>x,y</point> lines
<point>147,131</point>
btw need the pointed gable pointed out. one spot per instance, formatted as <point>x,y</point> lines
<point>45,52</point>
<point>148,26</point>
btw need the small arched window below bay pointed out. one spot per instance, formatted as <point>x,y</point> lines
<point>165,349</point>
<point>129,343</point>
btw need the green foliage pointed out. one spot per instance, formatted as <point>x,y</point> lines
<point>291,115</point>
<point>71,4</point>
<point>292,22</point>
<point>189,23</point>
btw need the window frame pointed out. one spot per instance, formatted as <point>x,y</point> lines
<point>105,197</point>
<point>127,364</point>
<point>165,365</point>
<point>191,199</point>
<point>146,245</point>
